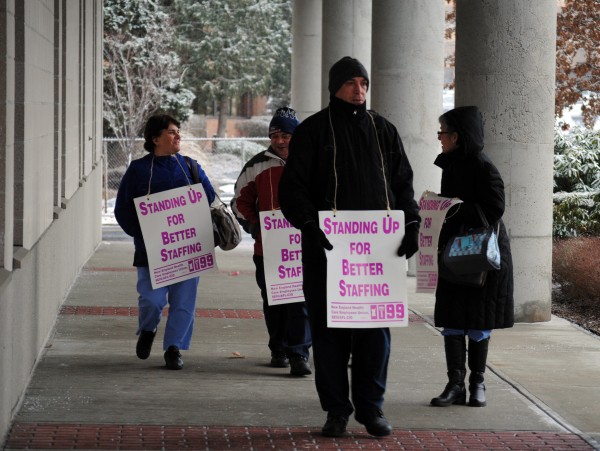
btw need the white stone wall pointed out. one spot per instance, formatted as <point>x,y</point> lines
<point>50,189</point>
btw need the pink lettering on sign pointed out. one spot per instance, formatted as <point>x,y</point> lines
<point>147,208</point>
<point>390,226</point>
<point>387,311</point>
<point>361,269</point>
<point>285,272</point>
<point>175,220</point>
<point>287,255</point>
<point>276,223</point>
<point>200,263</point>
<point>194,196</point>
<point>173,237</point>
<point>425,240</point>
<point>363,289</point>
<point>170,254</point>
<point>425,260</point>
<point>349,227</point>
<point>360,248</point>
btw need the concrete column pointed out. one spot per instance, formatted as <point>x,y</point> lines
<point>407,80</point>
<point>346,32</point>
<point>505,64</point>
<point>306,56</point>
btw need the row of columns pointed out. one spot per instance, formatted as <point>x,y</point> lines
<point>505,64</point>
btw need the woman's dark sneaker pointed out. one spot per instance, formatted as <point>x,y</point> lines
<point>144,344</point>
<point>173,358</point>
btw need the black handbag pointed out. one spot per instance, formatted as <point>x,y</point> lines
<point>469,256</point>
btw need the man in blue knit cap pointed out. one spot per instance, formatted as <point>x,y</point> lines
<point>256,190</point>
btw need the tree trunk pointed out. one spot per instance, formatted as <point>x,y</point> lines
<point>222,124</point>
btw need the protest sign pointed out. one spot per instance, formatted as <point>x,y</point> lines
<point>433,209</point>
<point>366,280</point>
<point>282,252</point>
<point>178,234</point>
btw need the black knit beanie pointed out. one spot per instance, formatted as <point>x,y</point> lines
<point>344,70</point>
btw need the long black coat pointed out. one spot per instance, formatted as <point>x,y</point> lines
<point>468,174</point>
<point>335,161</point>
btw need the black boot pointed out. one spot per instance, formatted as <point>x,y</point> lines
<point>455,392</point>
<point>478,351</point>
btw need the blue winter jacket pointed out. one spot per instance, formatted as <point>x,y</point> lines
<point>167,173</point>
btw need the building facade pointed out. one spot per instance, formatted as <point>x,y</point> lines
<point>51,131</point>
<point>50,172</point>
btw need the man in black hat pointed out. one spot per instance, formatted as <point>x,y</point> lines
<point>335,163</point>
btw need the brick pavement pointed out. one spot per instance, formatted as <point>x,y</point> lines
<point>53,436</point>
<point>56,435</point>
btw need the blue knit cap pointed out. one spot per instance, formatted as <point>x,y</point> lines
<point>284,120</point>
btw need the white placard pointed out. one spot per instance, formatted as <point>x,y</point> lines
<point>433,209</point>
<point>178,234</point>
<point>282,252</point>
<point>366,280</point>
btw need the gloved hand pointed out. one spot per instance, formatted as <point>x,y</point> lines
<point>254,230</point>
<point>312,232</point>
<point>410,242</point>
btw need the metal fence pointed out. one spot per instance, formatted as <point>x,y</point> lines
<point>221,158</point>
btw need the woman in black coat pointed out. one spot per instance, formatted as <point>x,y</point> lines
<point>469,174</point>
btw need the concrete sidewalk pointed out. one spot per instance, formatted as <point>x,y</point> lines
<point>89,391</point>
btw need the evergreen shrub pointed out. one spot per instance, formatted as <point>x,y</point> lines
<point>576,183</point>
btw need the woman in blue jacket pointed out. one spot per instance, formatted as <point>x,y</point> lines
<point>161,170</point>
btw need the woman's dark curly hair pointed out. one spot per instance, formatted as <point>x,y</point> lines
<point>154,127</point>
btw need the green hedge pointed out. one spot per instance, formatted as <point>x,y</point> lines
<point>576,183</point>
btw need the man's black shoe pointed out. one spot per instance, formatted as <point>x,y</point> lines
<point>299,365</point>
<point>144,344</point>
<point>335,426</point>
<point>279,360</point>
<point>375,423</point>
<point>173,358</point>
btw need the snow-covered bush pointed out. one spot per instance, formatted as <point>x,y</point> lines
<point>244,149</point>
<point>576,183</point>
<point>254,127</point>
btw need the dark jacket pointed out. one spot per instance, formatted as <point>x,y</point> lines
<point>167,173</point>
<point>256,190</point>
<point>346,133</point>
<point>468,174</point>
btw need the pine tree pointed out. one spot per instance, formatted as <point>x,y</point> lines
<point>142,74</point>
<point>232,47</point>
